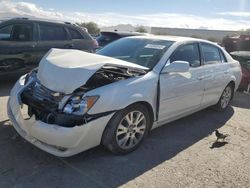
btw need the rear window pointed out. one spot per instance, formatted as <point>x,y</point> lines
<point>75,34</point>
<point>223,57</point>
<point>51,32</point>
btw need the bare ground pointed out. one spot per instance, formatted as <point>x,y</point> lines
<point>179,154</point>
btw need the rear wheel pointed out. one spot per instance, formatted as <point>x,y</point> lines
<point>127,129</point>
<point>225,98</point>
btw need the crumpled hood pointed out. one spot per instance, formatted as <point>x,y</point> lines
<point>65,70</point>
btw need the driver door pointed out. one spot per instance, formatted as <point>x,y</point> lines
<point>182,93</point>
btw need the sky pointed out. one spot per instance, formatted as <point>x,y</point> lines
<point>204,14</point>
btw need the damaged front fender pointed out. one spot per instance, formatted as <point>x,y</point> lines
<point>119,95</point>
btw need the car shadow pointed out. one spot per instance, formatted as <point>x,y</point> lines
<point>161,145</point>
<point>98,167</point>
<point>241,100</point>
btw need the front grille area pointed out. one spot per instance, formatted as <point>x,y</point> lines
<point>42,93</point>
<point>41,98</point>
<point>43,103</point>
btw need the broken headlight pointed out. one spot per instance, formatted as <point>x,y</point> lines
<point>78,105</point>
<point>30,75</point>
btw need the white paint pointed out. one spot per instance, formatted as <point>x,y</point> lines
<point>49,137</point>
<point>180,94</point>
<point>60,66</point>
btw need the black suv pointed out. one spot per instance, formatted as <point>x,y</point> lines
<point>107,37</point>
<point>23,42</point>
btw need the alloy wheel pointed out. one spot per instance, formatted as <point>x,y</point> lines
<point>131,129</point>
<point>226,97</point>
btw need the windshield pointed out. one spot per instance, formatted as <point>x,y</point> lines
<point>141,51</point>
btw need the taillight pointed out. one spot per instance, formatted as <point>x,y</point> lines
<point>95,44</point>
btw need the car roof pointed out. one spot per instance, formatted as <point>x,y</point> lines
<point>38,20</point>
<point>175,39</point>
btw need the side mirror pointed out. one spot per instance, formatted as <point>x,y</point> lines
<point>176,66</point>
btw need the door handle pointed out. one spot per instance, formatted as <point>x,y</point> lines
<point>226,72</point>
<point>32,46</point>
<point>204,77</point>
<point>200,77</point>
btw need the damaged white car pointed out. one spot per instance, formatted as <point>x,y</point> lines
<point>75,101</point>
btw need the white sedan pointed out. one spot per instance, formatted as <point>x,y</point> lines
<point>75,101</point>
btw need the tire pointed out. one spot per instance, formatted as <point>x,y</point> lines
<point>122,135</point>
<point>225,98</point>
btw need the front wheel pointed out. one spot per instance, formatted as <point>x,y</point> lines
<point>127,129</point>
<point>225,98</point>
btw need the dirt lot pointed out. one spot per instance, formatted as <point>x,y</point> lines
<point>180,154</point>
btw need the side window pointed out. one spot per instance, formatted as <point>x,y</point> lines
<point>75,34</point>
<point>211,54</point>
<point>22,32</point>
<point>51,32</point>
<point>189,53</point>
<point>5,32</point>
<point>223,57</point>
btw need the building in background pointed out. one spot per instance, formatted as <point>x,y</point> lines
<point>212,35</point>
<point>124,28</point>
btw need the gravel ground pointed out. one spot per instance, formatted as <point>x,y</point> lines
<point>180,154</point>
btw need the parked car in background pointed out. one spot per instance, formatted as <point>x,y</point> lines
<point>236,43</point>
<point>107,37</point>
<point>244,58</point>
<point>77,100</point>
<point>23,42</point>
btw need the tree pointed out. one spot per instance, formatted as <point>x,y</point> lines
<point>91,26</point>
<point>140,29</point>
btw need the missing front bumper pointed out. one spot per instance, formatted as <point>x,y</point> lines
<point>51,137</point>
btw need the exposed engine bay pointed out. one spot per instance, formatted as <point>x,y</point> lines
<point>109,74</point>
<point>69,110</point>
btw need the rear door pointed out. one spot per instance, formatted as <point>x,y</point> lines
<point>80,40</point>
<point>216,73</point>
<point>52,36</point>
<point>17,48</point>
